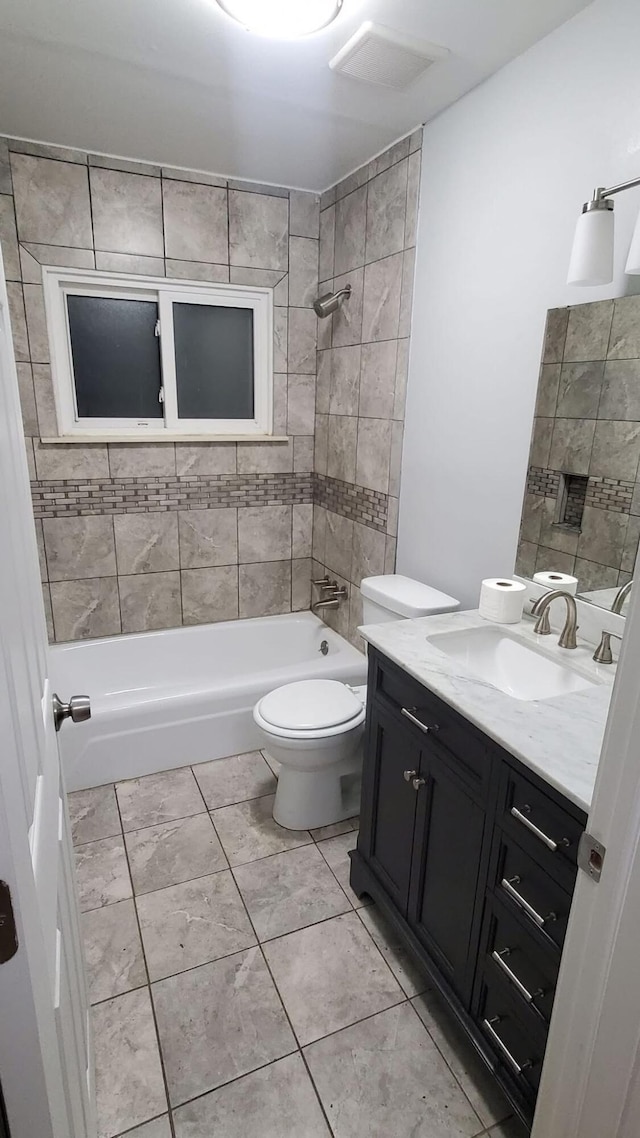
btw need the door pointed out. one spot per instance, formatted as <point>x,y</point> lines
<point>449,841</point>
<point>44,1031</point>
<point>389,802</point>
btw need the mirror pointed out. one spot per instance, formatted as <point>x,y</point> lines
<point>581,510</point>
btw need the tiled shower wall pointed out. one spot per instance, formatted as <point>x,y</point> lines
<point>367,240</point>
<point>587,424</point>
<point>135,537</point>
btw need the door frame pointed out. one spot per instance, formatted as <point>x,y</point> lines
<point>591,1077</point>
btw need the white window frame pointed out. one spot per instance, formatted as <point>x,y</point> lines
<point>60,283</point>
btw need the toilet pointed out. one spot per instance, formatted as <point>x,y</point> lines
<point>315,728</point>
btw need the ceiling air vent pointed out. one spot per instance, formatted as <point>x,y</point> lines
<point>376,54</point>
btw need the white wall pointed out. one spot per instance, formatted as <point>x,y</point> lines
<point>505,173</point>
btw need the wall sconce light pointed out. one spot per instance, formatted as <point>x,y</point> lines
<point>592,254</point>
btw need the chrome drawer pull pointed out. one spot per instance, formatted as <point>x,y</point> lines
<point>519,899</point>
<point>488,1026</point>
<point>408,714</point>
<point>524,992</point>
<point>549,842</point>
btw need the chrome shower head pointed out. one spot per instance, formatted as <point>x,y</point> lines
<point>331,302</point>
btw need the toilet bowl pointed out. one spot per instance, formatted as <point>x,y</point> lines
<point>315,728</point>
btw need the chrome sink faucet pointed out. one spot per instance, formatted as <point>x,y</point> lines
<point>543,628</point>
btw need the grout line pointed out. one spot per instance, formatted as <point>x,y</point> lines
<point>148,986</point>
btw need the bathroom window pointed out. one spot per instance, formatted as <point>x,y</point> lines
<point>134,357</point>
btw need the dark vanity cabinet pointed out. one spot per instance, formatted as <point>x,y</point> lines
<point>472,858</point>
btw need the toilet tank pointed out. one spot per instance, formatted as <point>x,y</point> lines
<point>394,597</point>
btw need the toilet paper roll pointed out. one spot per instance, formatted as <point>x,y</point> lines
<point>553,580</point>
<point>502,600</point>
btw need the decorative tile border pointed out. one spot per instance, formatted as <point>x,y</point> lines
<point>359,504</point>
<point>612,494</point>
<point>55,499</point>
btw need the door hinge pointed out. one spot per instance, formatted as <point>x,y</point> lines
<point>8,934</point>
<point>591,855</point>
<point>156,331</point>
<point>161,395</point>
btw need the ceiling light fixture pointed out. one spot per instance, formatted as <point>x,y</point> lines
<point>282,19</point>
<point>592,254</point>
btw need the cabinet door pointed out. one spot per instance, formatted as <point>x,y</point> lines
<point>389,802</point>
<point>448,862</point>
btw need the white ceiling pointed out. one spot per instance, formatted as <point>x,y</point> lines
<point>177,82</point>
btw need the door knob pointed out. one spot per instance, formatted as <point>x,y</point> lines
<point>78,709</point>
<point>408,775</point>
<point>418,782</point>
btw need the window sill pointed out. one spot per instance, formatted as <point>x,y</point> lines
<point>164,437</point>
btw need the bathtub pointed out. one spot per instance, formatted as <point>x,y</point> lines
<point>166,699</point>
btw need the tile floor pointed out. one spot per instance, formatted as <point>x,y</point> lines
<point>239,985</point>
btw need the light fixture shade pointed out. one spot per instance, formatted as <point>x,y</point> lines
<point>633,260</point>
<point>282,19</point>
<point>592,254</point>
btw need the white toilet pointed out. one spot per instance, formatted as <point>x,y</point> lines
<point>314,728</point>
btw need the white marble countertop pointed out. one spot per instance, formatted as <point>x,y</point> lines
<point>558,738</point>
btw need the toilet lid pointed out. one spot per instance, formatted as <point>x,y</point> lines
<point>310,705</point>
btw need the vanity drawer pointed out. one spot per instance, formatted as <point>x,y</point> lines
<point>542,826</point>
<point>525,887</point>
<point>430,717</point>
<point>530,969</point>
<point>512,1034</point>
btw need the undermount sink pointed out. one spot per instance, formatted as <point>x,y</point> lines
<point>507,662</point>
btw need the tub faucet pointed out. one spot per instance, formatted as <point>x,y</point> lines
<point>542,626</point>
<point>333,598</point>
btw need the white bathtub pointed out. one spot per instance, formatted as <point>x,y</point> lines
<point>165,699</point>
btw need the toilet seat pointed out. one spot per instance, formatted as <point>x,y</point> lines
<point>310,709</point>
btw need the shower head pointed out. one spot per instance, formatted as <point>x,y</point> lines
<point>331,301</point>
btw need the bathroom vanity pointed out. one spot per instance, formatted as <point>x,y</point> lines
<point>469,840</point>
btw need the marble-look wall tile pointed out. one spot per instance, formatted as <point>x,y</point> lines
<point>196,271</point>
<point>386,211</point>
<point>79,547</point>
<point>304,214</point>
<point>33,257</point>
<point>303,454</point>
<point>5,168</point>
<point>27,399</point>
<point>341,453</point>
<point>265,458</point>
<point>176,174</point>
<point>339,543</point>
<point>142,460</point>
<point>265,588</point>
<point>620,392</point>
<point>300,584</point>
<point>45,150</point>
<point>52,201</point>
<point>301,530</point>
<point>378,379</point>
<point>85,609</point>
<point>17,317</point>
<point>66,460</point>
<point>372,464</point>
<point>36,323</point>
<point>368,553</point>
<point>303,335</point>
<point>150,600</point>
<point>47,423</point>
<point>303,271</point>
<point>205,458</point>
<point>347,321</point>
<point>327,243</point>
<point>301,401</point>
<point>130,263</point>
<point>616,450</point>
<point>113,952</point>
<point>321,444</point>
<point>588,330</point>
<point>264,534</point>
<point>209,594</point>
<point>195,222</point>
<point>571,445</point>
<point>345,380</point>
<point>126,165</point>
<point>351,223</point>
<point>208,538</point>
<point>413,199</point>
<point>258,229</point>
<point>9,239</point>
<point>280,339</point>
<point>146,543</point>
<point>381,303</point>
<point>406,297</point>
<point>127,212</point>
<point>624,343</point>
